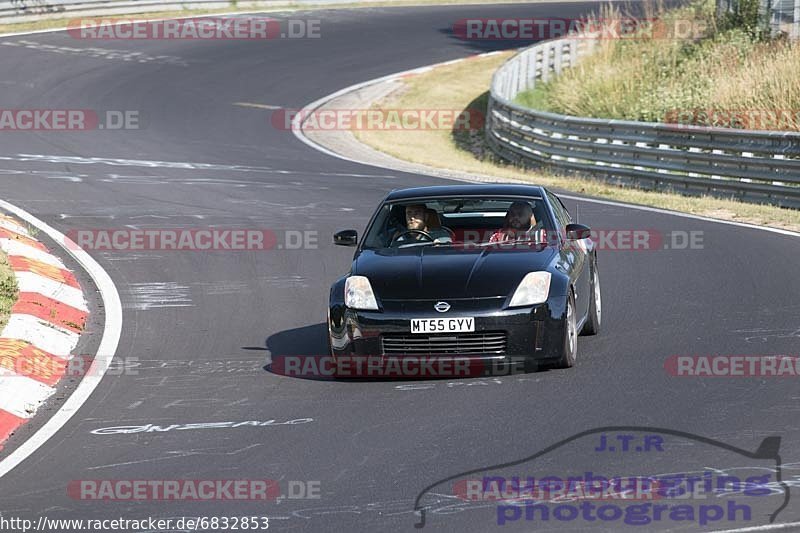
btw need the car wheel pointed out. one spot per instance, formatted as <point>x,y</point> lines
<point>569,351</point>
<point>592,326</point>
<point>328,323</point>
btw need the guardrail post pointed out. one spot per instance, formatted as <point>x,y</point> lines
<point>546,62</point>
<point>532,73</point>
<point>559,53</point>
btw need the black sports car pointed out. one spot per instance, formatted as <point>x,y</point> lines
<point>487,272</point>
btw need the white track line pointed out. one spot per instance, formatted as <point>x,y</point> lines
<point>112,330</point>
<point>308,109</point>
<point>770,527</point>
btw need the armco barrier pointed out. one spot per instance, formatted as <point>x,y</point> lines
<point>752,166</point>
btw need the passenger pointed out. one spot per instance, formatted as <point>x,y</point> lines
<point>519,224</point>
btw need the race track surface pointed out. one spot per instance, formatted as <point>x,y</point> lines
<point>199,327</point>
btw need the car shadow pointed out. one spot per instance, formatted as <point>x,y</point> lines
<point>299,353</point>
<point>469,133</point>
<point>305,340</point>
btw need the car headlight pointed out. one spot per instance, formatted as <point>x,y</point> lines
<point>358,294</point>
<point>533,289</point>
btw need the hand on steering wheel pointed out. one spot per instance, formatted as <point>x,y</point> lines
<point>411,231</point>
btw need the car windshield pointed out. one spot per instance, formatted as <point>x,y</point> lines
<point>452,221</point>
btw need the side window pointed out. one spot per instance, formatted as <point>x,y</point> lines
<point>565,210</point>
<point>561,212</point>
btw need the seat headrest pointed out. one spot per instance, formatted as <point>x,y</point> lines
<point>433,221</point>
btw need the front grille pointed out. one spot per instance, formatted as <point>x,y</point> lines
<point>490,342</point>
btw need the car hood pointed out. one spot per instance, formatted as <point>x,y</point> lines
<point>427,272</point>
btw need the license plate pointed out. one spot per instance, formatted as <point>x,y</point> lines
<point>442,325</point>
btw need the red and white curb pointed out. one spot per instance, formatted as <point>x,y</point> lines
<point>37,343</point>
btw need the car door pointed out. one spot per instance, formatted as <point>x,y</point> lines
<point>573,256</point>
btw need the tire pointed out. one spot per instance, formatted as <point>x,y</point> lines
<point>569,351</point>
<point>328,323</point>
<point>593,321</point>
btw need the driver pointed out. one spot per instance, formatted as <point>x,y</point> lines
<point>419,219</point>
<point>519,224</point>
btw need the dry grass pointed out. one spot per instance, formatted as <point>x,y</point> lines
<point>463,85</point>
<point>728,78</point>
<point>8,290</point>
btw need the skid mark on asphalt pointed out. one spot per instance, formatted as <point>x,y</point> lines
<point>218,288</point>
<point>167,180</point>
<point>177,454</point>
<point>294,280</point>
<point>192,366</point>
<point>462,384</point>
<point>99,53</point>
<point>177,165</point>
<point>157,295</point>
<point>116,256</point>
<point>763,335</point>
<point>191,402</point>
<point>142,163</point>
<point>47,174</point>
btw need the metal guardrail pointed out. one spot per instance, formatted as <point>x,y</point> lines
<point>752,166</point>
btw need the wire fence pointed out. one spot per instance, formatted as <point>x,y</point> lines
<point>775,16</point>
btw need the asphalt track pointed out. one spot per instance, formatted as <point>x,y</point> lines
<point>200,326</point>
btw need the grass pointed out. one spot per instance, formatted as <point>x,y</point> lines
<point>8,290</point>
<point>463,85</point>
<point>729,76</point>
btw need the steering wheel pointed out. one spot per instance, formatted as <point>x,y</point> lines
<point>411,231</point>
<point>451,232</point>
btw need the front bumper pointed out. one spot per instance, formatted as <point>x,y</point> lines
<point>533,333</point>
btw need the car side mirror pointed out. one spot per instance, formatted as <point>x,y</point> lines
<point>346,237</point>
<point>578,231</point>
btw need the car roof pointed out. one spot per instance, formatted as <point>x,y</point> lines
<point>487,189</point>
